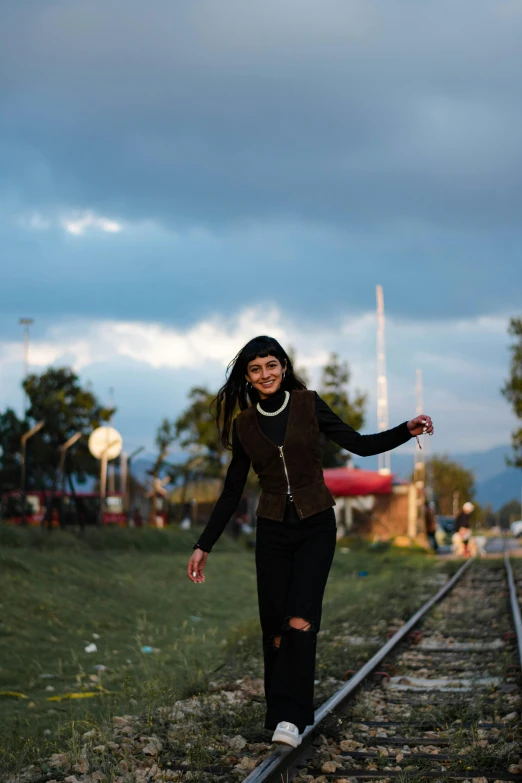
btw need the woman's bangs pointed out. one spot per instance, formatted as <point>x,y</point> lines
<point>260,349</point>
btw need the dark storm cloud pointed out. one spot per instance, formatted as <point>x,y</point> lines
<point>209,112</point>
<point>153,275</point>
<point>320,147</point>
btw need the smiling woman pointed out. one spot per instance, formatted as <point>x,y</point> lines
<point>279,435</point>
<point>256,373</point>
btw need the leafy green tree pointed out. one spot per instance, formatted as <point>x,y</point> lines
<point>11,431</point>
<point>300,371</point>
<point>334,391</point>
<point>165,437</point>
<point>448,477</point>
<point>489,517</point>
<point>509,512</point>
<point>512,389</point>
<point>197,433</point>
<point>57,398</point>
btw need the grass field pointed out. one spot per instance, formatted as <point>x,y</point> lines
<point>126,592</point>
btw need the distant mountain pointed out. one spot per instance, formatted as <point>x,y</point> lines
<point>500,489</point>
<point>486,464</point>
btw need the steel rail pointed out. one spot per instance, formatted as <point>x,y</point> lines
<point>515,606</point>
<point>286,755</point>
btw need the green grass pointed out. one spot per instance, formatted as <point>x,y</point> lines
<point>105,539</point>
<point>130,588</point>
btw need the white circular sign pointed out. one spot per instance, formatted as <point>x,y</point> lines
<point>105,442</point>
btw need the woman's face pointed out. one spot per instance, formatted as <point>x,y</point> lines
<point>265,375</point>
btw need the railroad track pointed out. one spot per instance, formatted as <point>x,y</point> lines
<point>441,700</point>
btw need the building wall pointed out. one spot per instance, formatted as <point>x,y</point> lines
<point>390,515</point>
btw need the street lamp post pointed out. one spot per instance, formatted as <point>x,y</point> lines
<point>26,323</point>
<point>128,484</point>
<point>25,437</point>
<point>61,472</point>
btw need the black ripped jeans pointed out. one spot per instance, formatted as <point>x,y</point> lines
<point>293,559</point>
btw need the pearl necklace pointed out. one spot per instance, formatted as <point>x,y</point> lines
<point>280,410</point>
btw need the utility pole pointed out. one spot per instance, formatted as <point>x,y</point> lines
<point>26,323</point>
<point>61,472</point>
<point>111,481</point>
<point>419,476</point>
<point>104,444</point>
<point>382,383</point>
<point>455,503</point>
<point>419,465</point>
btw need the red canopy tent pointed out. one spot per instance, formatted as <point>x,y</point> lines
<point>347,482</point>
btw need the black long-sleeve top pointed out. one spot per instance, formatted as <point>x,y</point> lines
<point>274,427</point>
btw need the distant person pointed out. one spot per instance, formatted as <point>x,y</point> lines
<point>463,517</point>
<point>278,432</point>
<point>431,526</point>
<point>462,533</point>
<point>186,516</point>
<point>137,518</point>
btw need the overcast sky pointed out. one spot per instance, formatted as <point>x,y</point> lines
<point>177,177</point>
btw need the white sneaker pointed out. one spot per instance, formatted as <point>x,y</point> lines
<point>288,733</point>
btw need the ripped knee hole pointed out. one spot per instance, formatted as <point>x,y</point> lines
<point>299,624</point>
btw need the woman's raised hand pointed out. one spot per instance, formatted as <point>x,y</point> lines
<point>196,566</point>
<point>421,425</point>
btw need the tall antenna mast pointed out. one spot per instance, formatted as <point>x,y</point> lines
<point>419,454</point>
<point>422,466</point>
<point>382,383</point>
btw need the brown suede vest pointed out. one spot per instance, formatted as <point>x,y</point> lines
<point>302,455</point>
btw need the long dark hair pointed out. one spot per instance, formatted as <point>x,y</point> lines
<point>235,392</point>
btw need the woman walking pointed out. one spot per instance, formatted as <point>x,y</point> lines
<point>279,435</point>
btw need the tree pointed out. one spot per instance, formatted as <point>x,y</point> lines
<point>512,389</point>
<point>11,431</point>
<point>334,391</point>
<point>57,398</point>
<point>509,512</point>
<point>300,371</point>
<point>448,477</point>
<point>196,432</point>
<point>165,437</point>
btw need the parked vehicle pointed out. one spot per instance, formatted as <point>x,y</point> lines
<point>79,509</point>
<point>447,524</point>
<point>516,528</point>
<point>445,529</point>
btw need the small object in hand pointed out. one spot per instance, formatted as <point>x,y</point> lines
<point>418,442</point>
<point>193,573</point>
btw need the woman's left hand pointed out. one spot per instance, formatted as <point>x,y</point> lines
<point>421,425</point>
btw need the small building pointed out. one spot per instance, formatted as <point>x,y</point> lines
<point>368,504</point>
<point>374,505</point>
